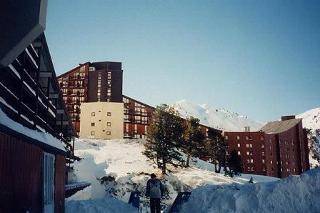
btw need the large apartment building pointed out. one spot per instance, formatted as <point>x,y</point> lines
<point>137,118</point>
<point>90,82</point>
<point>96,89</point>
<point>279,149</point>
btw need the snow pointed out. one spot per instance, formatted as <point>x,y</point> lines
<point>39,136</point>
<point>8,105</point>
<point>14,71</point>
<point>217,118</point>
<point>292,194</point>
<point>104,205</point>
<point>123,160</point>
<point>311,120</point>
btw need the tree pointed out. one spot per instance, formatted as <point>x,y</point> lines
<point>216,149</point>
<point>193,145</point>
<point>314,144</point>
<point>164,137</point>
<point>234,163</point>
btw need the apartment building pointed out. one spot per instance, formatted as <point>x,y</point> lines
<point>90,82</point>
<point>103,120</point>
<point>101,82</point>
<point>279,149</point>
<point>137,118</point>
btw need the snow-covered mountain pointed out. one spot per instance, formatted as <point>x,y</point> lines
<point>311,119</point>
<point>216,118</point>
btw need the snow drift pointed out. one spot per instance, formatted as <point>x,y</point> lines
<point>292,194</point>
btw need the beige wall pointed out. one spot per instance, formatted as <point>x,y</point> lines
<point>101,120</point>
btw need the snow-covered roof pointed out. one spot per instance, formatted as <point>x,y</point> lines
<point>41,137</point>
<point>275,127</point>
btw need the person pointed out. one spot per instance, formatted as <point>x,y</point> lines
<point>154,191</point>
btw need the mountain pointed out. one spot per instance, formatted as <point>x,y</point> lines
<point>311,119</point>
<point>214,117</point>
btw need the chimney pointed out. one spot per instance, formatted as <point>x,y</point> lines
<point>247,128</point>
<point>287,117</point>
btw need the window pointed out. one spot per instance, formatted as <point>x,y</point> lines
<point>248,153</point>
<point>93,124</point>
<point>108,123</point>
<point>238,144</point>
<point>108,113</point>
<point>238,137</point>
<point>262,153</point>
<point>239,153</point>
<point>226,137</point>
<point>108,132</point>
<point>247,145</point>
<point>250,145</point>
<point>247,138</point>
<point>251,160</point>
<point>263,161</point>
<point>92,132</point>
<point>93,114</point>
<point>262,146</point>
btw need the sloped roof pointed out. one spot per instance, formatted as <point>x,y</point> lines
<point>21,23</point>
<point>275,127</point>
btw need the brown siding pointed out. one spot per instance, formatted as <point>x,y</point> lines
<point>59,183</point>
<point>20,175</point>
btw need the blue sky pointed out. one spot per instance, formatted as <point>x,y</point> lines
<point>258,58</point>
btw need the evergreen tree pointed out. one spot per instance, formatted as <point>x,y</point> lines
<point>193,145</point>
<point>216,149</point>
<point>164,137</point>
<point>234,163</point>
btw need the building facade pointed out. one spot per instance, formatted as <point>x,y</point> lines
<point>103,120</point>
<point>279,149</point>
<point>250,146</point>
<point>137,118</point>
<point>90,82</point>
<point>36,135</point>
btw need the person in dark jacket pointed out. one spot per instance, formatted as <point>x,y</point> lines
<point>155,192</point>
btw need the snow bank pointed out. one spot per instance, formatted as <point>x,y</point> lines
<point>292,194</point>
<point>105,205</point>
<point>42,137</point>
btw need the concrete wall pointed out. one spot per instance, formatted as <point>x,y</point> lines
<point>101,120</point>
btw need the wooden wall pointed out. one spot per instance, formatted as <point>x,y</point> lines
<point>21,176</point>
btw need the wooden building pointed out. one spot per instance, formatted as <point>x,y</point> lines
<point>36,134</point>
<point>279,149</point>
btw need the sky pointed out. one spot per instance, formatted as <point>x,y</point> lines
<point>257,58</point>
